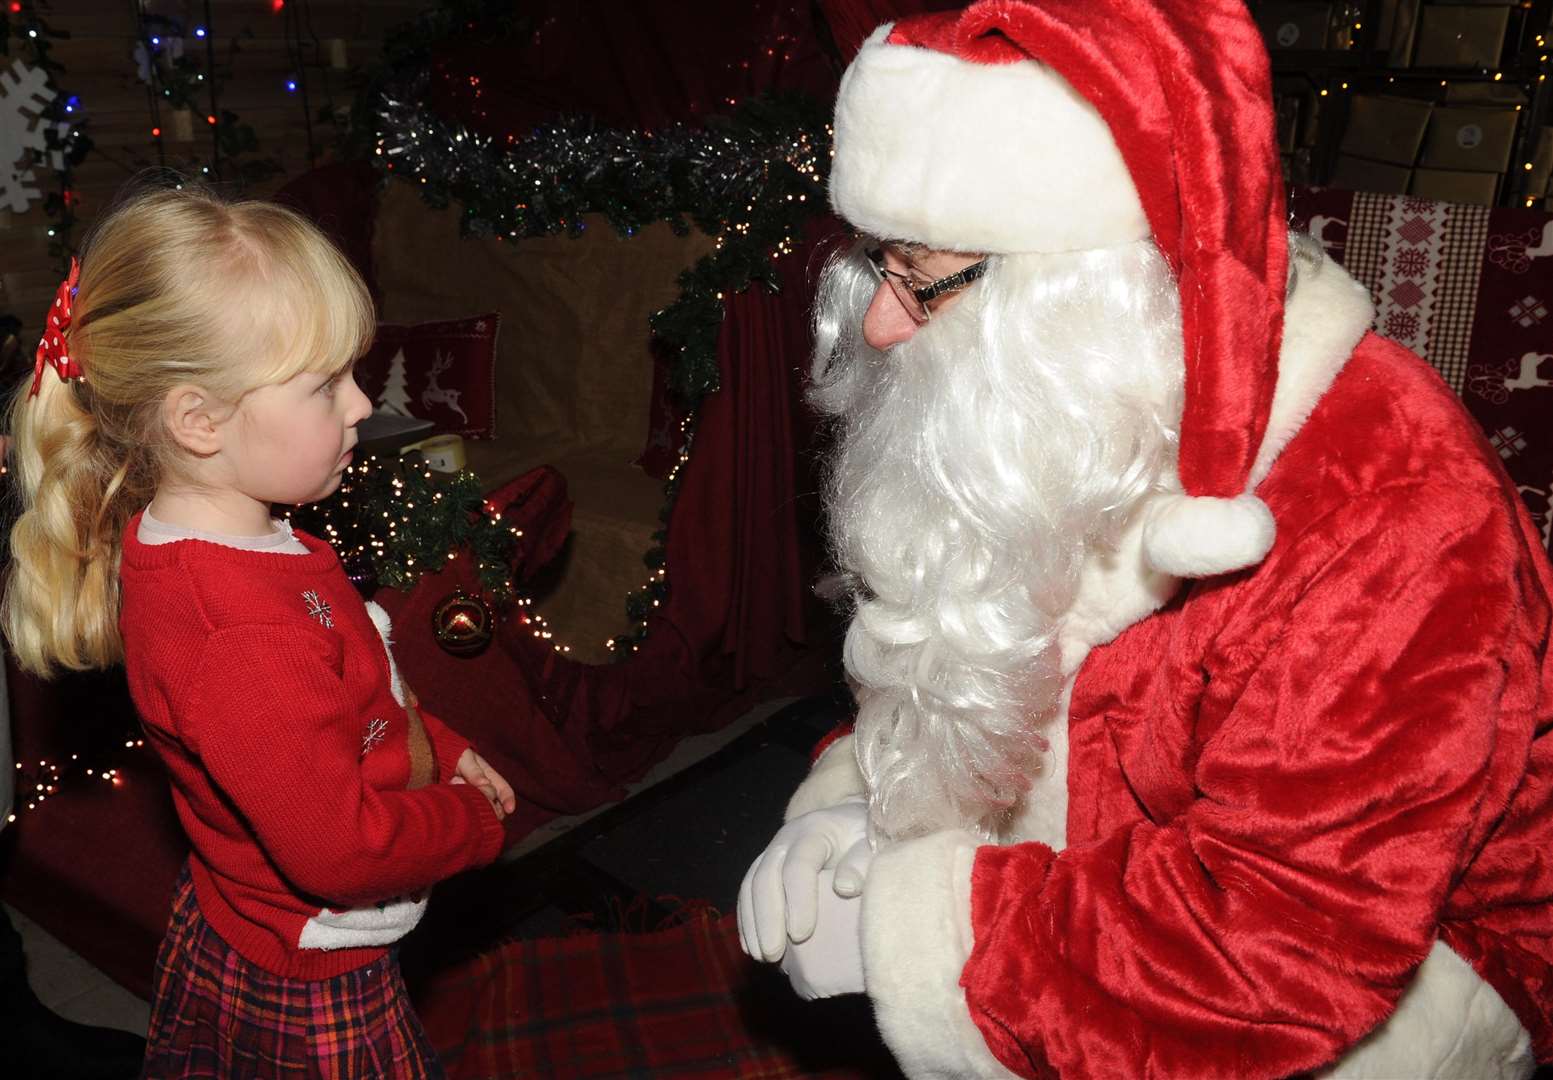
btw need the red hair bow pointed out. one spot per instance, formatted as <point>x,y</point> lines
<point>53,350</point>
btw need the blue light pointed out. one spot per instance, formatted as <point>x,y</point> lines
<point>291,86</point>
<point>156,41</point>
<point>199,31</point>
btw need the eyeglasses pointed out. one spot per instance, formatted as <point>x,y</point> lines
<point>914,299</point>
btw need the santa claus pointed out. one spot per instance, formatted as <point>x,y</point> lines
<point>1199,641</point>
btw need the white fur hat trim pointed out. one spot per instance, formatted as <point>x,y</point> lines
<point>995,158</point>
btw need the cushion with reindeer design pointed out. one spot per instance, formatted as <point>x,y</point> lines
<point>444,372</point>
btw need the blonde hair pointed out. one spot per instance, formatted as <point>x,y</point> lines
<point>176,286</point>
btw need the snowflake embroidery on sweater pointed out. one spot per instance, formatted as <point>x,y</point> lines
<point>319,608</point>
<point>373,735</point>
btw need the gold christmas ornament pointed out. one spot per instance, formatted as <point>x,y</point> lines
<point>462,624</point>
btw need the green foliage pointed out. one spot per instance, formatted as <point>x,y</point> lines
<point>395,519</point>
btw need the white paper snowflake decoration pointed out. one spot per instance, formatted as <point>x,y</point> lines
<point>25,90</point>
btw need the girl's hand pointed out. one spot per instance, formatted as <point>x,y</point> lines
<point>474,769</point>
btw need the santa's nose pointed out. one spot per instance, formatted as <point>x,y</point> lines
<point>886,322</point>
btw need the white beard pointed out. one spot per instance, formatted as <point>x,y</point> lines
<point>977,464</point>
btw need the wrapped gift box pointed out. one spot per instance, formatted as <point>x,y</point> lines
<point>1359,174</point>
<point>1461,36</point>
<point>1394,31</point>
<point>1388,129</point>
<point>1471,139</point>
<point>1294,26</point>
<point>1474,92</point>
<point>1541,164</point>
<point>1455,185</point>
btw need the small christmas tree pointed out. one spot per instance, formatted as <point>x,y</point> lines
<point>395,397</point>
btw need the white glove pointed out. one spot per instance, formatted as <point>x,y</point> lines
<point>830,961</point>
<point>779,896</point>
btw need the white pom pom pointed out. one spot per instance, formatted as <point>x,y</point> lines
<point>1198,536</point>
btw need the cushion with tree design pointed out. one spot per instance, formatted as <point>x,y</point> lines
<point>444,372</point>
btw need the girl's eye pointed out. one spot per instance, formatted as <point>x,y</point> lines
<point>327,389</point>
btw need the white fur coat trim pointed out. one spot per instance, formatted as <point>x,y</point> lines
<point>1449,1023</point>
<point>976,157</point>
<point>1325,319</point>
<point>916,941</point>
<point>385,629</point>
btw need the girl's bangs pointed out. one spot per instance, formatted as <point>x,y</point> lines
<point>323,317</point>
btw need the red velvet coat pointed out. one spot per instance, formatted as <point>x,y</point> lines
<point>1287,783</point>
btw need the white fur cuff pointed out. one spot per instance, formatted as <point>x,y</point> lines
<point>916,940</point>
<point>834,778</point>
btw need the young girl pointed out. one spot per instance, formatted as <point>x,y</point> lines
<point>202,355</point>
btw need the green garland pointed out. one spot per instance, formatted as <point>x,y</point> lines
<point>750,180</point>
<point>393,520</point>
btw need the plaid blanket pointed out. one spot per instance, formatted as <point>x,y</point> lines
<point>683,1002</point>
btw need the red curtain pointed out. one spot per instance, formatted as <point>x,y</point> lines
<point>633,65</point>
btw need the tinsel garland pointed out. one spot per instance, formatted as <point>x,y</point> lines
<point>751,181</point>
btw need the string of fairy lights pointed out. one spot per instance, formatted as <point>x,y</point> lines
<point>36,783</point>
<point>1527,71</point>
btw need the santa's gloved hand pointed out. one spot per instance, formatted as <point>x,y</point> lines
<point>830,961</point>
<point>778,899</point>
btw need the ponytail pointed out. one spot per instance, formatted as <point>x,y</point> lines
<point>61,603</point>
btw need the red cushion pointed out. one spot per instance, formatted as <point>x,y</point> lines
<point>444,372</point>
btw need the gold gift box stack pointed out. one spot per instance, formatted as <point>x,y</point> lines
<point>1451,152</point>
<point>1457,149</point>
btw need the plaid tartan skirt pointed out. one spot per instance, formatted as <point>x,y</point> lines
<point>215,1015</point>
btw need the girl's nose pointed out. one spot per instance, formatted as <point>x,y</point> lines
<point>886,322</point>
<point>360,405</point>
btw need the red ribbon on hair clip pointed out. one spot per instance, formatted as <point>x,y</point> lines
<point>53,351</point>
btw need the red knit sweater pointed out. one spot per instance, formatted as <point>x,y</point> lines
<point>265,688</point>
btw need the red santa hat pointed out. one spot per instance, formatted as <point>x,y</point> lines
<point>1061,125</point>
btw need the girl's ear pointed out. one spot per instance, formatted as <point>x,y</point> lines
<point>194,419</point>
